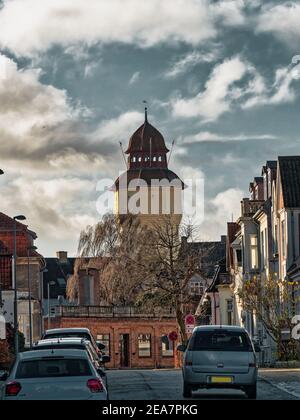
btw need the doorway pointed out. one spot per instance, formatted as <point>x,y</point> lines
<point>124,351</point>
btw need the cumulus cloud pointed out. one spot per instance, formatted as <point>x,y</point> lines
<point>282,20</point>
<point>236,82</point>
<point>214,100</point>
<point>221,209</point>
<point>146,24</point>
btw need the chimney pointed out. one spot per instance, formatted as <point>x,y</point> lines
<point>223,239</point>
<point>62,256</point>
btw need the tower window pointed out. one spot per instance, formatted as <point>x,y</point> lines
<point>140,159</point>
<point>154,159</point>
<point>160,159</point>
<point>134,159</point>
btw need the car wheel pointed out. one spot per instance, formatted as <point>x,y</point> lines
<point>187,390</point>
<point>251,392</point>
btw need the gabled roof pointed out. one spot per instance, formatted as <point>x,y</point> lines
<point>210,254</point>
<point>289,169</point>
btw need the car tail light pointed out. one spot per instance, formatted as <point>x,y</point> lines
<point>95,385</point>
<point>12,389</point>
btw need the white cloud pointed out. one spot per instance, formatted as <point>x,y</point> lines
<point>282,20</point>
<point>220,210</point>
<point>119,128</point>
<point>134,78</point>
<point>30,26</point>
<point>214,100</point>
<point>190,60</point>
<point>204,136</point>
<point>236,81</point>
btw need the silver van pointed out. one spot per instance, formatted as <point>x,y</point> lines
<point>220,357</point>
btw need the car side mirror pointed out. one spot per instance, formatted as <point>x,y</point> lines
<point>100,346</point>
<point>257,348</point>
<point>105,359</point>
<point>181,348</point>
<point>4,377</point>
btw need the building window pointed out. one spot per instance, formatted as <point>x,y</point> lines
<point>154,159</point>
<point>254,252</point>
<point>167,346</point>
<point>196,289</point>
<point>229,309</point>
<point>140,159</point>
<point>105,340</point>
<point>144,345</point>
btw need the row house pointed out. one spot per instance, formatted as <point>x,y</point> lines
<point>264,242</point>
<point>30,265</point>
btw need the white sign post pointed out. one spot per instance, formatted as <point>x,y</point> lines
<point>2,328</point>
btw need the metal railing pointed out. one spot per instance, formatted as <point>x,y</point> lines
<point>112,312</point>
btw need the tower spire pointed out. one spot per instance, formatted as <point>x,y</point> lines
<point>146,111</point>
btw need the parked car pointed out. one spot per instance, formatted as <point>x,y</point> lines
<point>220,357</point>
<point>74,333</point>
<point>54,375</point>
<point>76,344</point>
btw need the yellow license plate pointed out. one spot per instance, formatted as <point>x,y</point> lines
<point>221,380</point>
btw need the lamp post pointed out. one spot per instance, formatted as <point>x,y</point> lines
<point>45,270</point>
<point>50,283</point>
<point>15,286</point>
<point>30,248</point>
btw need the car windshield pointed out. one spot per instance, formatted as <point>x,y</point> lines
<point>220,341</point>
<point>53,368</point>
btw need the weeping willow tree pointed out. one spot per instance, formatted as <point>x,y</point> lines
<point>146,267</point>
<point>115,248</point>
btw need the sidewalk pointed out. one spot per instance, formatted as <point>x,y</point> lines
<point>287,380</point>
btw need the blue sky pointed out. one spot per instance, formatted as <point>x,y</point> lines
<point>218,77</point>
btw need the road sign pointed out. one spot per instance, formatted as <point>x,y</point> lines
<point>190,320</point>
<point>173,336</point>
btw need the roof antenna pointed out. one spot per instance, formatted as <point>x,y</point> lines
<point>123,154</point>
<point>173,144</point>
<point>146,110</point>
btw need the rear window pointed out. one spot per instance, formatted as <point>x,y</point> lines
<point>68,335</point>
<point>60,346</point>
<point>220,341</point>
<point>53,368</point>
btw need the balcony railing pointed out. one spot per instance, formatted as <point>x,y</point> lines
<point>250,207</point>
<point>112,312</point>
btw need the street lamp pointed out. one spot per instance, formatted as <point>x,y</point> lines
<point>15,286</point>
<point>50,283</point>
<point>1,172</point>
<point>30,248</point>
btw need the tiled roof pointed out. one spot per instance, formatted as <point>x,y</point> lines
<point>210,254</point>
<point>148,174</point>
<point>147,138</point>
<point>289,167</point>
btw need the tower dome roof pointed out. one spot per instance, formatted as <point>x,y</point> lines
<point>147,138</point>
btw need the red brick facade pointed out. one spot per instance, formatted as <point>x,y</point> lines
<point>116,329</point>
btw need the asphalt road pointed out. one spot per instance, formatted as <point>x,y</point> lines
<point>129,385</point>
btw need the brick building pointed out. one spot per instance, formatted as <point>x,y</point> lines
<point>29,266</point>
<point>132,339</point>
